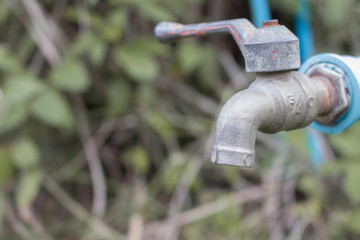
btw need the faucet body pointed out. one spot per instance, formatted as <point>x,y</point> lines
<point>274,102</point>
<point>280,98</point>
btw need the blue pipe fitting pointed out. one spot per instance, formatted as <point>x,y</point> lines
<point>303,29</point>
<point>260,11</point>
<point>350,68</point>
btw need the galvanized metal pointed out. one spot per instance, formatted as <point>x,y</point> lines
<point>279,99</point>
<point>270,48</point>
<point>274,102</point>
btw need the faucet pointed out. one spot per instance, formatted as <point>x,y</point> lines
<point>280,98</point>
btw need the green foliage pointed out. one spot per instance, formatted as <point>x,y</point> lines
<point>6,166</point>
<point>190,55</point>
<point>114,25</point>
<point>53,109</point>
<point>336,11</point>
<point>19,89</point>
<point>150,108</point>
<point>89,45</point>
<point>12,117</point>
<point>137,63</point>
<point>170,177</point>
<point>352,179</point>
<point>25,154</point>
<point>159,124</point>
<point>71,75</point>
<point>138,159</point>
<point>345,143</point>
<point>287,7</point>
<point>118,97</point>
<point>28,187</point>
<point>8,62</point>
<point>155,11</point>
<point>298,139</point>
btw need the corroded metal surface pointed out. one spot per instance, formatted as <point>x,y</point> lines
<point>338,92</point>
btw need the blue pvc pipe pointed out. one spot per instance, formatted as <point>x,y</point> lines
<point>260,11</point>
<point>316,146</point>
<point>303,29</point>
<point>350,66</point>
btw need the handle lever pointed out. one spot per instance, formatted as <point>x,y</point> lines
<point>240,29</point>
<point>270,48</point>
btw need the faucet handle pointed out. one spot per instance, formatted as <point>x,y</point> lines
<point>240,29</point>
<point>270,48</point>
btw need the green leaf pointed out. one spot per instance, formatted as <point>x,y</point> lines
<point>354,222</point>
<point>81,45</point>
<point>189,55</point>
<point>90,45</point>
<point>115,25</point>
<point>352,179</point>
<point>297,138</point>
<point>151,46</point>
<point>209,69</point>
<point>21,88</point>
<point>159,124</point>
<point>6,166</point>
<point>139,65</point>
<point>70,75</point>
<point>146,94</point>
<point>25,153</point>
<point>334,16</point>
<point>8,62</point>
<point>97,52</point>
<point>53,109</point>
<point>28,187</point>
<point>138,158</point>
<point>171,176</point>
<point>118,98</point>
<point>12,117</point>
<point>4,14</point>
<point>346,143</point>
<point>155,11</point>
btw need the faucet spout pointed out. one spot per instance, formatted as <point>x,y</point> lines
<point>236,127</point>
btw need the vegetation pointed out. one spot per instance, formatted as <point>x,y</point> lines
<point>106,133</point>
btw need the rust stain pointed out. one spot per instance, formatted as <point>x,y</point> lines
<point>274,55</point>
<point>330,100</point>
<point>202,32</point>
<point>270,23</point>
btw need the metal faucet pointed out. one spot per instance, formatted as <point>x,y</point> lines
<point>279,99</point>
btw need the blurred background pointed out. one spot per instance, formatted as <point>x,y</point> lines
<point>106,133</point>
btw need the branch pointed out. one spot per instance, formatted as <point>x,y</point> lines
<point>92,156</point>
<point>206,210</point>
<point>78,211</point>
